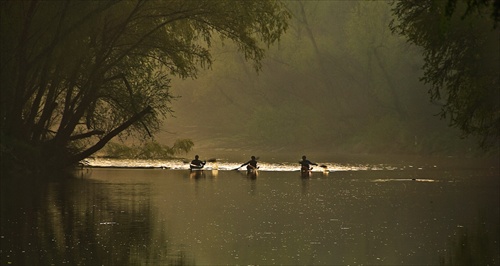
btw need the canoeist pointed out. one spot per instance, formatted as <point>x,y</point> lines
<point>251,165</point>
<point>197,163</point>
<point>305,165</point>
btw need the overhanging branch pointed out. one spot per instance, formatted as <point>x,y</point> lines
<point>86,135</point>
<point>100,144</point>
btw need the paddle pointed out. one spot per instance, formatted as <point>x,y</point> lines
<point>255,168</point>
<point>235,169</point>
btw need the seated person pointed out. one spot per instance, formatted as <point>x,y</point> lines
<point>197,163</point>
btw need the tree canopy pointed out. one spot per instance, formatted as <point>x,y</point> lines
<point>339,82</point>
<point>461,52</point>
<point>75,74</point>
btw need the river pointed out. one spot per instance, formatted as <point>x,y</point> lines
<point>129,212</point>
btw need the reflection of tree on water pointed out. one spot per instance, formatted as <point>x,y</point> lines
<point>469,248</point>
<point>77,221</point>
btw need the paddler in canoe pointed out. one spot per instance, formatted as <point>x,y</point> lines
<point>305,166</point>
<point>251,165</point>
<point>197,164</point>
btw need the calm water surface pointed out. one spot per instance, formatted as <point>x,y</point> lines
<point>375,216</point>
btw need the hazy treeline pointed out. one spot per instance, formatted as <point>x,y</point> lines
<point>339,81</point>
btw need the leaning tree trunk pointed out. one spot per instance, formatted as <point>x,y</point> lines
<point>74,159</point>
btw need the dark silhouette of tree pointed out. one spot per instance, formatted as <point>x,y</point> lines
<point>75,74</point>
<point>461,53</point>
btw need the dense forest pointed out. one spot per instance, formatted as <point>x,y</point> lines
<point>338,81</point>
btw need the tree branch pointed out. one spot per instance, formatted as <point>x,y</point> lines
<point>133,102</point>
<point>86,135</point>
<point>100,144</point>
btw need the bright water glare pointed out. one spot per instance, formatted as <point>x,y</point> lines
<point>227,165</point>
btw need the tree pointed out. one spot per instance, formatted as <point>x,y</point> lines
<point>375,104</point>
<point>461,52</point>
<point>75,74</point>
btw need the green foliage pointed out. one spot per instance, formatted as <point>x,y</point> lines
<point>154,150</point>
<point>116,150</point>
<point>147,150</point>
<point>182,146</point>
<point>461,60</point>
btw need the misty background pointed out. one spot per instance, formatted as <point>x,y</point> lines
<point>338,82</point>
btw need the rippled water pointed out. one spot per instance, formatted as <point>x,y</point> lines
<point>368,214</point>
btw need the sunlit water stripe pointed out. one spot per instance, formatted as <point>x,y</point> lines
<point>403,180</point>
<point>263,166</point>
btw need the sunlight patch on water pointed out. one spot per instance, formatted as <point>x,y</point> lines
<point>263,166</point>
<point>400,180</point>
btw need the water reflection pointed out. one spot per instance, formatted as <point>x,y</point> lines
<point>196,174</point>
<point>469,246</point>
<point>253,174</point>
<point>204,173</point>
<point>305,186</point>
<point>169,217</point>
<point>77,221</point>
<point>305,174</point>
<point>215,172</point>
<point>253,185</point>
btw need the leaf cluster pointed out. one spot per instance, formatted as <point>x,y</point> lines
<point>148,150</point>
<point>461,60</point>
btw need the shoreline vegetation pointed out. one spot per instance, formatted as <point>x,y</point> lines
<point>148,150</point>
